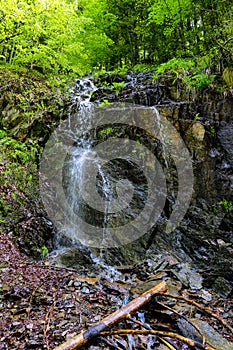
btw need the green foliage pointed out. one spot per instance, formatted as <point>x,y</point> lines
<point>2,134</point>
<point>214,209</point>
<point>200,81</point>
<point>227,205</point>
<point>176,66</point>
<point>44,251</point>
<point>17,175</point>
<point>212,131</point>
<point>190,71</point>
<point>56,36</point>
<point>143,67</point>
<point>50,36</point>
<point>117,86</point>
<point>17,186</point>
<point>105,103</point>
<point>18,151</point>
<point>106,131</point>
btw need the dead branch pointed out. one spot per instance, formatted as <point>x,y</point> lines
<point>146,326</point>
<point>185,318</point>
<point>82,338</point>
<point>170,346</point>
<point>188,341</point>
<point>205,309</point>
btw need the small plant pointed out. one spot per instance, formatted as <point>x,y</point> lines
<point>105,84</point>
<point>196,117</point>
<point>121,70</point>
<point>117,86</point>
<point>44,251</point>
<point>179,66</point>
<point>2,134</point>
<point>18,151</point>
<point>212,131</point>
<point>214,209</point>
<point>107,131</point>
<point>200,81</point>
<point>227,205</point>
<point>104,103</point>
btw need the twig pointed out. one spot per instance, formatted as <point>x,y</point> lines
<point>30,301</point>
<point>208,311</point>
<point>170,346</point>
<point>109,343</point>
<point>47,320</point>
<point>188,341</point>
<point>185,318</point>
<point>148,327</point>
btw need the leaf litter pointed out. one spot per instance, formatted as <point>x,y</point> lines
<point>42,305</point>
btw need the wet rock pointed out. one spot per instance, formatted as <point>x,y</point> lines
<point>75,257</point>
<point>188,330</point>
<point>212,336</point>
<point>189,277</point>
<point>222,287</point>
<point>226,140</point>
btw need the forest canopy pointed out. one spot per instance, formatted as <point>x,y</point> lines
<point>86,35</point>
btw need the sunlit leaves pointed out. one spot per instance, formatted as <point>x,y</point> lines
<point>50,35</point>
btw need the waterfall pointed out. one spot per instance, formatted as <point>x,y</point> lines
<point>109,171</point>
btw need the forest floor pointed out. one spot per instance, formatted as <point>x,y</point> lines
<point>42,305</point>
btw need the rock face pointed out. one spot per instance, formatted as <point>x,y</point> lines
<point>204,120</point>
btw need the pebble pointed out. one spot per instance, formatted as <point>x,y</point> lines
<point>206,295</point>
<point>85,290</point>
<point>77,284</point>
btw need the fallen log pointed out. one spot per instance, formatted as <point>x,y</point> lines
<point>134,305</point>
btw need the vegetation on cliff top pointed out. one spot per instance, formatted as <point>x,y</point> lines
<point>80,36</point>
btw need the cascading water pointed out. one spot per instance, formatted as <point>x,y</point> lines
<point>80,158</point>
<point>75,179</point>
<point>110,171</point>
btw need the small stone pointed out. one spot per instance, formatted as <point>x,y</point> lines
<point>33,344</point>
<point>29,326</point>
<point>221,242</point>
<point>5,288</point>
<point>206,295</point>
<point>77,284</point>
<point>85,290</point>
<point>212,336</point>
